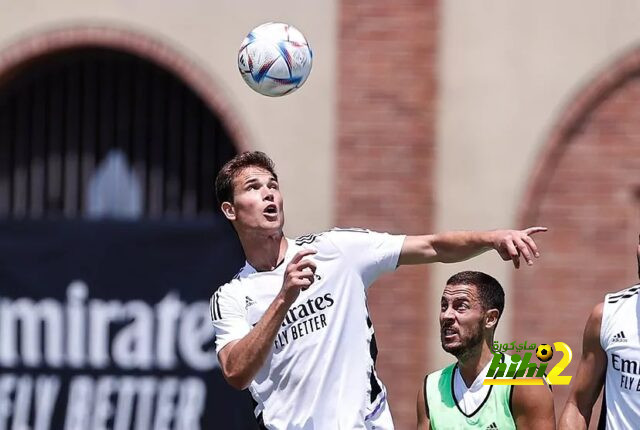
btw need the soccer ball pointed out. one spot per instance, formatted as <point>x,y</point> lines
<point>544,352</point>
<point>275,59</point>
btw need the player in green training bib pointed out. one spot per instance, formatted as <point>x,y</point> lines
<point>454,397</point>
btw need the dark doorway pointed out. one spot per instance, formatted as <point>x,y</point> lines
<point>65,116</point>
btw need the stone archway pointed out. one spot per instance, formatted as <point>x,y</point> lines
<point>71,99</point>
<point>133,42</point>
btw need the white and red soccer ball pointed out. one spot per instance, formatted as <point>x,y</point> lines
<point>275,59</point>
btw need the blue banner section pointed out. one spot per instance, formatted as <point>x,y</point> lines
<point>106,325</point>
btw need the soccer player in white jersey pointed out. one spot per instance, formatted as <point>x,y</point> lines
<point>610,358</point>
<point>455,397</point>
<point>292,326</point>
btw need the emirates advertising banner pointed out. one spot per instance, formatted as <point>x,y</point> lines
<point>106,325</point>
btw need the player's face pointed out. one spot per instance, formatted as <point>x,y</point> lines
<point>461,319</point>
<point>257,202</point>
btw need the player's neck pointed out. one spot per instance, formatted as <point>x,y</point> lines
<point>264,252</point>
<point>471,364</point>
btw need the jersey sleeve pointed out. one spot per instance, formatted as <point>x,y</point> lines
<point>371,253</point>
<point>229,318</point>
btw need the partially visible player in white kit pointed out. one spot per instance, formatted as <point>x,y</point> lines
<point>292,326</point>
<point>610,357</point>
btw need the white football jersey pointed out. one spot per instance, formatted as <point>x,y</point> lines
<point>619,339</point>
<point>320,373</point>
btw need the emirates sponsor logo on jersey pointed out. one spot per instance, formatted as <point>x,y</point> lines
<point>303,319</point>
<point>629,372</point>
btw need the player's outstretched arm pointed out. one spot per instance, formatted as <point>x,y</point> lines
<point>422,411</point>
<point>587,384</point>
<point>241,360</point>
<point>454,246</point>
<point>533,407</point>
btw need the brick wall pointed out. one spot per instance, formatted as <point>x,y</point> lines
<point>585,189</point>
<point>385,162</point>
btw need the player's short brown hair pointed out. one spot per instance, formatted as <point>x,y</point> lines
<point>489,289</point>
<point>224,180</point>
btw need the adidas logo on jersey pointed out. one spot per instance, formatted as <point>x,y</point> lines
<point>248,301</point>
<point>620,337</point>
<point>492,426</point>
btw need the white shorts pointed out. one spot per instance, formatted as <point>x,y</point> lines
<point>380,419</point>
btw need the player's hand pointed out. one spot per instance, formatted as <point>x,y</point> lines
<point>513,244</point>
<point>298,276</point>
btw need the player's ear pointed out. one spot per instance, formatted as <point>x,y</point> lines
<point>491,318</point>
<point>229,211</point>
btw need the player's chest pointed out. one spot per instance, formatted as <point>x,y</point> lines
<point>622,334</point>
<point>331,289</point>
<point>623,353</point>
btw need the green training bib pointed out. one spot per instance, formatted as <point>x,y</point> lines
<point>444,414</point>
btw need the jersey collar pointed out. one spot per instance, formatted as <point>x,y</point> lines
<point>288,255</point>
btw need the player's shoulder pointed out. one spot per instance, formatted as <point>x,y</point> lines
<point>308,239</point>
<point>333,234</point>
<point>322,242</point>
<point>242,274</point>
<point>596,312</point>
<point>622,295</point>
<point>616,310</point>
<point>336,237</point>
<point>526,397</point>
<point>229,289</point>
<point>349,234</point>
<point>350,231</point>
<point>237,283</point>
<point>437,374</point>
<point>228,296</point>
